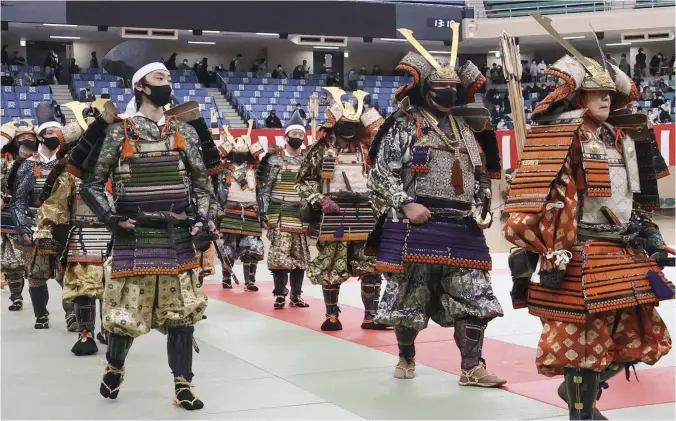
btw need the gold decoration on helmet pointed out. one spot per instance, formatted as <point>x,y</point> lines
<point>443,72</point>
<point>344,111</point>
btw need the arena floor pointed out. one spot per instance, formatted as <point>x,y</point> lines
<point>259,363</point>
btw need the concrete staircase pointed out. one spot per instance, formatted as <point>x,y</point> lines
<point>62,95</point>
<point>227,110</point>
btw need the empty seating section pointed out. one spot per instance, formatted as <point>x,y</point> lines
<point>255,96</point>
<point>510,8</point>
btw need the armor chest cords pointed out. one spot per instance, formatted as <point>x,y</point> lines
<point>242,185</point>
<point>343,172</point>
<point>443,164</point>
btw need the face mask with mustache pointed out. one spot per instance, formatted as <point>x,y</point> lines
<point>445,97</point>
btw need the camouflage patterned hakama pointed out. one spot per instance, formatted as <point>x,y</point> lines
<point>339,260</point>
<point>288,250</point>
<point>440,292</point>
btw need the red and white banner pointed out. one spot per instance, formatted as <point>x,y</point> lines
<point>665,134</point>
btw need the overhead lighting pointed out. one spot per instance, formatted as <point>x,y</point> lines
<point>319,47</point>
<point>202,42</point>
<point>393,39</point>
<point>211,32</point>
<point>346,54</point>
<point>612,44</point>
<point>267,34</point>
<point>22,43</point>
<point>493,51</point>
<point>62,25</point>
<point>575,37</point>
<point>62,37</point>
<point>440,52</point>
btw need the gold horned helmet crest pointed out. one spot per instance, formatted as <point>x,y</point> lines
<point>444,71</point>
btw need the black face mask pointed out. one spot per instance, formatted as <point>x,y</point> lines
<point>295,142</point>
<point>239,158</point>
<point>444,97</point>
<point>159,95</point>
<point>346,130</point>
<point>28,144</point>
<point>51,142</point>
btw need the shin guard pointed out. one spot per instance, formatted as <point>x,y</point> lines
<point>469,337</point>
<point>85,313</point>
<point>582,387</point>
<point>179,351</point>
<point>406,342</point>
<point>118,348</point>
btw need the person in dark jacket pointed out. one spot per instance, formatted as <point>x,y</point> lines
<point>273,122</point>
<point>94,62</point>
<point>5,55</point>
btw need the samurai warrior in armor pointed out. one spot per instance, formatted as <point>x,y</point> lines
<point>332,183</point>
<point>63,210</point>
<point>240,223</point>
<point>431,187</point>
<point>162,201</point>
<point>289,254</point>
<point>27,183</point>
<point>18,143</point>
<point>577,206</point>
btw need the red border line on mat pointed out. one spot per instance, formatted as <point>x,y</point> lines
<point>436,348</point>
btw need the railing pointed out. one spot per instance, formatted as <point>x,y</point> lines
<point>505,10</point>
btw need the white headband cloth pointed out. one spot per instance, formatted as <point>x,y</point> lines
<point>47,125</point>
<point>148,68</point>
<point>294,127</point>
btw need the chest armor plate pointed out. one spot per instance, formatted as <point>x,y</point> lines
<point>283,189</point>
<point>45,168</point>
<point>435,181</point>
<point>242,186</point>
<point>352,166</point>
<point>621,201</point>
<point>80,213</point>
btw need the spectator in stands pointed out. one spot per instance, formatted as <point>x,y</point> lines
<point>624,65</point>
<point>534,70</point>
<point>171,63</point>
<point>73,68</point>
<point>203,72</point>
<point>94,62</point>
<point>647,94</point>
<point>663,87</point>
<point>87,95</point>
<point>298,72</point>
<point>185,65</point>
<point>58,113</point>
<point>655,65</point>
<point>6,80</point>
<point>323,70</point>
<point>305,68</point>
<point>17,60</point>
<point>639,67</point>
<point>255,68</point>
<point>5,55</point>
<point>609,59</point>
<point>658,101</point>
<point>541,70</point>
<point>273,122</point>
<point>279,73</point>
<point>501,75</point>
<point>105,96</point>
<point>494,73</point>
<point>234,63</point>
<point>301,111</point>
<point>263,66</point>
<point>665,116</point>
<point>376,71</point>
<point>352,79</point>
<point>362,70</point>
<point>324,99</point>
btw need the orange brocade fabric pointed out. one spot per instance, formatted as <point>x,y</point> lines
<point>639,335</point>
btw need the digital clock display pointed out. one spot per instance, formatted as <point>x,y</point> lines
<point>439,23</point>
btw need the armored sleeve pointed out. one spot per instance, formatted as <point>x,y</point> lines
<point>385,183</point>
<point>269,169</point>
<point>484,184</point>
<point>55,210</point>
<point>24,182</point>
<point>198,172</point>
<point>308,181</point>
<point>93,192</point>
<point>552,230</point>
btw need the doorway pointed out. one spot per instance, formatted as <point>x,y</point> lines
<point>334,62</point>
<point>36,52</point>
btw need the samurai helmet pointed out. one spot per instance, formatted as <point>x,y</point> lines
<point>426,69</point>
<point>576,72</point>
